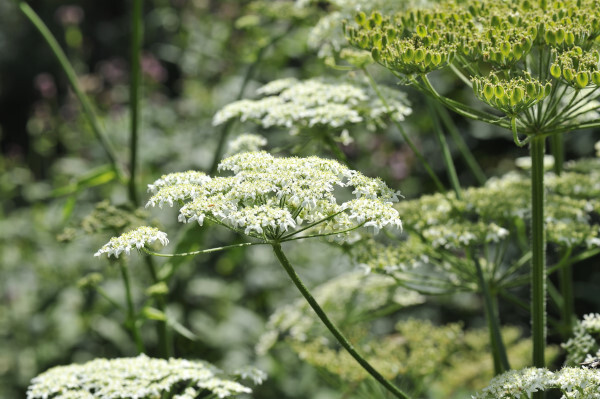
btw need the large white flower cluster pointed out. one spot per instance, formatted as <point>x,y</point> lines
<point>137,238</point>
<point>580,383</point>
<point>290,103</point>
<point>268,197</point>
<point>134,378</point>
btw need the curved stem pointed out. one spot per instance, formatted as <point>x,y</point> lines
<point>461,145</point>
<point>513,126</point>
<point>331,327</point>
<point>538,250</point>
<point>131,317</point>
<point>458,107</point>
<point>405,136</point>
<point>204,251</point>
<point>134,90</point>
<point>324,234</point>
<point>86,106</point>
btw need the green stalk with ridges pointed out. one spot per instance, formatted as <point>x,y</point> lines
<point>538,249</point>
<point>343,341</point>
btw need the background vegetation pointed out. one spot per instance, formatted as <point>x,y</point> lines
<point>61,200</point>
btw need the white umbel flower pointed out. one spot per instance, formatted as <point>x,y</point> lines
<point>290,103</point>
<point>573,382</point>
<point>133,239</point>
<point>190,177</point>
<point>139,377</point>
<point>271,199</point>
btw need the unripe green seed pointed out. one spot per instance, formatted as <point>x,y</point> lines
<point>376,54</point>
<point>546,92</point>
<point>436,59</point>
<point>568,74</point>
<point>560,36</point>
<point>550,37</point>
<point>376,17</point>
<point>391,34</point>
<point>421,30</point>
<point>531,90</point>
<point>495,21</point>
<point>488,91</point>
<point>428,58</point>
<point>570,38</point>
<point>596,78</point>
<point>582,79</point>
<point>419,55</point>
<point>516,96</point>
<point>499,92</point>
<point>360,18</point>
<point>555,71</point>
<point>408,55</point>
<point>505,49</point>
<point>518,51</point>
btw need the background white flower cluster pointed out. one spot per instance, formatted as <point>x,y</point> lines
<point>139,377</point>
<point>290,103</point>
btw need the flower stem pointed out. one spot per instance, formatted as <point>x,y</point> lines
<point>451,170</point>
<point>131,322</point>
<point>331,327</point>
<point>204,251</point>
<point>461,145</point>
<point>86,106</point>
<point>565,276</point>
<point>538,261</point>
<point>134,98</point>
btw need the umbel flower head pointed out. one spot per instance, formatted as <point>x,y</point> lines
<point>493,44</point>
<point>290,103</point>
<point>271,199</point>
<point>136,378</point>
<point>268,197</point>
<point>137,238</point>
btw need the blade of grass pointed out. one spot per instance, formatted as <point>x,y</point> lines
<point>72,77</point>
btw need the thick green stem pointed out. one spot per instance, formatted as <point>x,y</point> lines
<point>565,276</point>
<point>405,136</point>
<point>461,145</point>
<point>134,95</point>
<point>131,322</point>
<point>538,250</point>
<point>491,314</point>
<point>86,106</point>
<point>331,327</point>
<point>450,169</point>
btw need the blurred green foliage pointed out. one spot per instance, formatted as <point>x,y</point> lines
<point>60,200</point>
